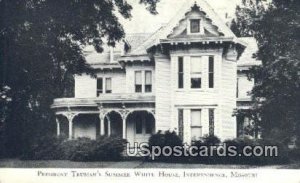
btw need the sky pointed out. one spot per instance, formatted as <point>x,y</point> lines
<point>143,22</point>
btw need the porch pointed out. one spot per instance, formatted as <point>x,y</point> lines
<point>130,116</point>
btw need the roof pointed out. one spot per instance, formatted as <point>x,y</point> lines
<point>247,58</point>
<point>139,43</point>
<point>136,39</point>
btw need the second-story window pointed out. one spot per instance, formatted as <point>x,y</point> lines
<point>148,81</point>
<point>108,85</point>
<point>138,81</point>
<point>104,86</point>
<point>196,72</point>
<point>99,86</point>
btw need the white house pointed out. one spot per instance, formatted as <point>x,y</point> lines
<point>188,76</point>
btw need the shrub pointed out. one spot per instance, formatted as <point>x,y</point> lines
<point>44,148</point>
<point>109,148</point>
<point>240,143</point>
<point>81,149</point>
<point>294,154</point>
<point>283,152</point>
<point>161,140</point>
<point>206,141</point>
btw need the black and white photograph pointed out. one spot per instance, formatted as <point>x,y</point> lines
<point>149,90</point>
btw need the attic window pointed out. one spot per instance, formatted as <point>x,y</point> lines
<point>195,25</point>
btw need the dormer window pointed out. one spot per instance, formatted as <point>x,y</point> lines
<point>195,26</point>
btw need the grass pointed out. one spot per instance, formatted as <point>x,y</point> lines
<point>16,163</point>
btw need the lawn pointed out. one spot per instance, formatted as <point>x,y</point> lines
<point>15,163</point>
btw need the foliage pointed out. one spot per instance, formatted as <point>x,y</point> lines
<point>41,43</point>
<point>168,138</point>
<point>5,101</point>
<point>109,148</point>
<point>245,15</point>
<point>221,154</point>
<point>276,93</point>
<point>210,140</point>
<point>240,143</point>
<point>45,148</point>
<point>207,141</point>
<point>294,154</point>
<point>81,149</point>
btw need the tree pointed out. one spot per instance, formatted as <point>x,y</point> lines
<point>41,44</point>
<point>276,93</point>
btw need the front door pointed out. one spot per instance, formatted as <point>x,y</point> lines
<point>140,126</point>
<point>143,131</point>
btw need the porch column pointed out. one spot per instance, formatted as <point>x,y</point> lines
<point>101,118</point>
<point>70,129</point>
<point>70,117</point>
<point>108,126</point>
<point>124,128</point>
<point>57,127</point>
<point>124,113</point>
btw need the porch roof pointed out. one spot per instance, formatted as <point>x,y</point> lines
<point>103,99</point>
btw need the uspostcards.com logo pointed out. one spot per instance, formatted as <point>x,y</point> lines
<point>145,150</point>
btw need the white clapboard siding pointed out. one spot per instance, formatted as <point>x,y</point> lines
<point>162,92</point>
<point>85,86</point>
<point>228,94</point>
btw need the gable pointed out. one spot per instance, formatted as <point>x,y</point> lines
<point>206,27</point>
<point>215,26</point>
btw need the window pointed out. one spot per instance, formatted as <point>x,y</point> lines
<point>211,117</point>
<point>104,87</point>
<point>148,81</point>
<point>195,25</point>
<point>211,72</point>
<point>108,85</point>
<point>196,72</point>
<point>180,72</point>
<point>180,123</point>
<point>138,81</point>
<point>99,86</point>
<point>196,128</point>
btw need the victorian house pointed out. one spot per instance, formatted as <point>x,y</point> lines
<point>189,76</point>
